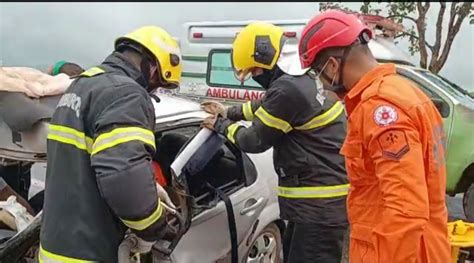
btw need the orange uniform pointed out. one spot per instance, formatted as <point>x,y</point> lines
<point>394,153</point>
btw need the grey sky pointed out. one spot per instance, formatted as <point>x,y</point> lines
<point>38,34</point>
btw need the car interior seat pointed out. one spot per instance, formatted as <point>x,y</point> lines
<point>221,170</point>
<point>167,148</point>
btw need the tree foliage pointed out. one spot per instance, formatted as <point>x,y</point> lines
<point>414,15</point>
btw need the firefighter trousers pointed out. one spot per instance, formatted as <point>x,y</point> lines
<point>313,243</point>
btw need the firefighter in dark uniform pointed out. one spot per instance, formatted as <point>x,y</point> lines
<point>306,129</point>
<point>99,176</point>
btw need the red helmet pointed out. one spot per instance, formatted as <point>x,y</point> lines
<point>332,28</point>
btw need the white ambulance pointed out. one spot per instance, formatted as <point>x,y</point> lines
<point>208,75</point>
<point>207,70</point>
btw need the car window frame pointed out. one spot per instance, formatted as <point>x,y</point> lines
<point>442,82</point>
<point>231,147</point>
<point>422,82</point>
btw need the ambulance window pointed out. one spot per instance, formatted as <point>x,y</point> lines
<point>220,73</point>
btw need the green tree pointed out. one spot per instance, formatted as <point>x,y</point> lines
<point>405,12</point>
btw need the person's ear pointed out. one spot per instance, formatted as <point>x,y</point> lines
<point>332,67</point>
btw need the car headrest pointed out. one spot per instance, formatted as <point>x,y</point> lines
<point>168,146</point>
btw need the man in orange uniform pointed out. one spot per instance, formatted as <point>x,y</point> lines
<point>394,147</point>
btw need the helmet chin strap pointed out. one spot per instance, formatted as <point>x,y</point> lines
<point>144,81</point>
<point>338,88</point>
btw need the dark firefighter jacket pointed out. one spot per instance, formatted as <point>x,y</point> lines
<point>306,130</point>
<point>99,175</point>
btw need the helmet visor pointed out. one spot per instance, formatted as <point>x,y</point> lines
<point>241,75</point>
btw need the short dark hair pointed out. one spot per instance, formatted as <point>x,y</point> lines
<point>71,69</point>
<point>325,54</point>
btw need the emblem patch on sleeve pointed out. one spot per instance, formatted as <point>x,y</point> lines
<point>394,144</point>
<point>385,115</point>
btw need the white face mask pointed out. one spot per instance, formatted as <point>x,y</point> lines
<point>338,88</point>
<point>319,83</point>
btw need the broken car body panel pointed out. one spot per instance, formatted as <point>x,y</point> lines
<point>253,194</point>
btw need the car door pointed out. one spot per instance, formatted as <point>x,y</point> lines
<point>442,102</point>
<point>208,238</point>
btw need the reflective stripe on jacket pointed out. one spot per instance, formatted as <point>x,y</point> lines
<point>99,175</point>
<point>306,130</point>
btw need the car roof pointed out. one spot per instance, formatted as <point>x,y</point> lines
<point>410,67</point>
<point>172,108</point>
<point>385,50</point>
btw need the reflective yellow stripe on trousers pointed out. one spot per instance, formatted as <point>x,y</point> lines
<point>313,192</point>
<point>48,257</point>
<point>122,135</point>
<point>70,136</point>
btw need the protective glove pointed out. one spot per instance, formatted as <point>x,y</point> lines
<point>142,246</point>
<point>214,108</point>
<point>164,197</point>
<point>158,229</point>
<point>217,124</point>
<point>161,230</point>
<point>7,219</point>
<point>209,122</point>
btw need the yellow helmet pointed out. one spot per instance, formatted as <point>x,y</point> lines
<point>165,49</point>
<point>257,45</point>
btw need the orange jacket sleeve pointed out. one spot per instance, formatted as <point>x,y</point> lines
<point>395,147</point>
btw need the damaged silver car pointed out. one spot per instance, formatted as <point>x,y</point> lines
<point>227,209</point>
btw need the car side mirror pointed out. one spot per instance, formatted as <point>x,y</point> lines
<point>442,107</point>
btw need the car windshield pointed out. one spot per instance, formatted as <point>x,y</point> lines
<point>447,85</point>
<point>463,91</point>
